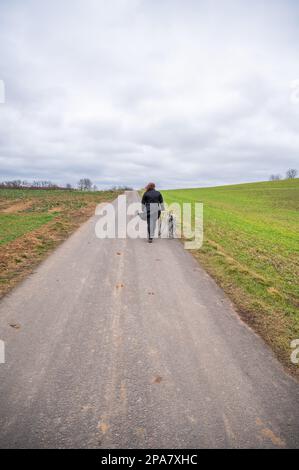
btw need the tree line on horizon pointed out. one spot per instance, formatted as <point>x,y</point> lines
<point>290,175</point>
<point>84,184</point>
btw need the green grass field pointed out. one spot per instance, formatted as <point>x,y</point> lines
<point>33,222</point>
<point>251,242</point>
<point>13,226</point>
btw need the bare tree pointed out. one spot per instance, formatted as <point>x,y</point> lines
<point>291,174</point>
<point>12,184</point>
<point>81,184</point>
<point>121,188</point>
<point>88,184</point>
<point>36,184</point>
<point>275,178</point>
<point>17,183</point>
<point>44,184</point>
<point>84,184</point>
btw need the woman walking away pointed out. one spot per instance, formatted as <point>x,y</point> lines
<point>152,203</point>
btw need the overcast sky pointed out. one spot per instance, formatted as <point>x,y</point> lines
<point>182,92</point>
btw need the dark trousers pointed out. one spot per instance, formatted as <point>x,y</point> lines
<point>151,218</point>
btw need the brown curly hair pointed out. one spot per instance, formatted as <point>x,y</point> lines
<point>150,186</point>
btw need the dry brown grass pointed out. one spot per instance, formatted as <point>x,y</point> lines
<point>20,256</point>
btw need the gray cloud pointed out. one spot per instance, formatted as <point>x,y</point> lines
<point>184,93</point>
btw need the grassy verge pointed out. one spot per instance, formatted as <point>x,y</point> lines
<point>250,247</point>
<point>34,222</point>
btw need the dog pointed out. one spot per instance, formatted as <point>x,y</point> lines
<point>171,224</point>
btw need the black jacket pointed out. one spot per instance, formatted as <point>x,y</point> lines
<point>152,197</point>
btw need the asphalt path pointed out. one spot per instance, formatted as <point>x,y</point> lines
<point>118,343</point>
